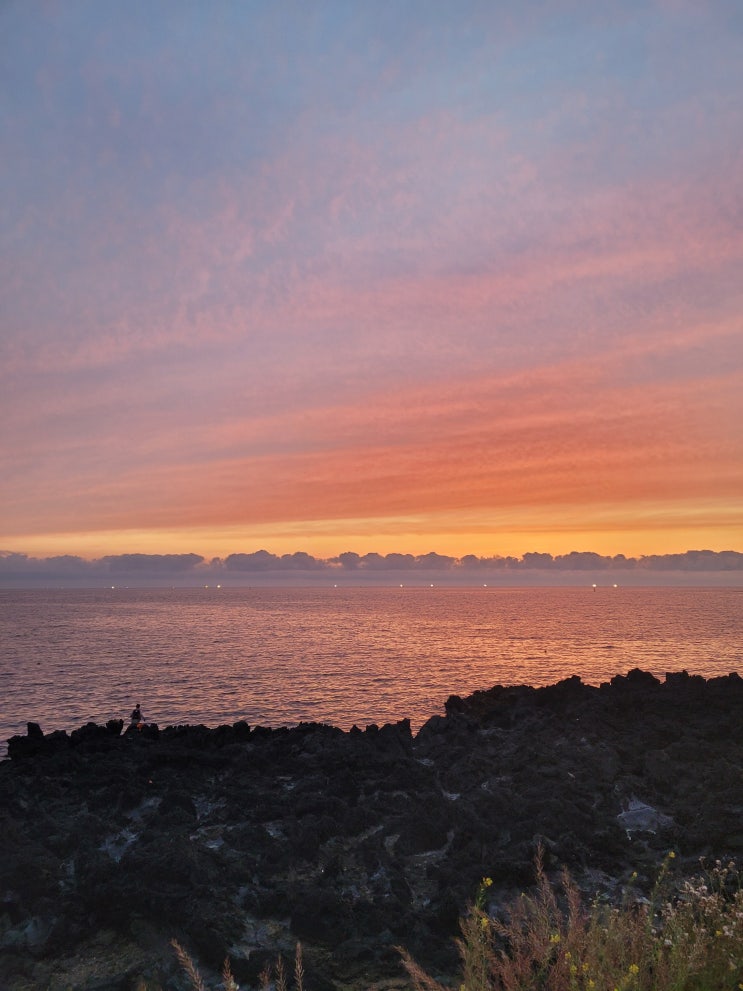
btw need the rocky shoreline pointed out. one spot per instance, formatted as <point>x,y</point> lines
<point>243,840</point>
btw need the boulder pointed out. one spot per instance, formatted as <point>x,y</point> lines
<point>242,840</point>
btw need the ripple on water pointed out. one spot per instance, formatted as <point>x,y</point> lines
<point>341,656</point>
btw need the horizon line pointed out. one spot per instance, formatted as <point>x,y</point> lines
<point>349,563</point>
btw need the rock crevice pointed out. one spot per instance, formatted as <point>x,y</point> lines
<point>242,839</point>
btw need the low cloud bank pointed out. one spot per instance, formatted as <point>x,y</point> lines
<point>261,567</point>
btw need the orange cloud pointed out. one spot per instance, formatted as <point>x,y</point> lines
<point>543,441</point>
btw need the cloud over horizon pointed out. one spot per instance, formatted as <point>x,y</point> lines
<point>21,570</point>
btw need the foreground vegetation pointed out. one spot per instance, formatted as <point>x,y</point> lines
<point>686,936</point>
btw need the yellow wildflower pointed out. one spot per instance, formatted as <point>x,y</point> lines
<point>671,855</point>
<point>484,922</point>
<point>573,969</point>
<point>555,938</point>
<point>487,882</point>
<point>634,969</point>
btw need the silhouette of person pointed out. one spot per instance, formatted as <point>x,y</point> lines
<point>136,716</point>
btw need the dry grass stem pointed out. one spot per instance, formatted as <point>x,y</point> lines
<point>188,966</point>
<point>685,938</point>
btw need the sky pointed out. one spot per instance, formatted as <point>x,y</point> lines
<point>390,277</point>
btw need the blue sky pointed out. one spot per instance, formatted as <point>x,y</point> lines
<point>373,277</point>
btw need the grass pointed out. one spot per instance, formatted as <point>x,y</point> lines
<point>551,941</point>
<point>687,936</point>
<point>272,979</point>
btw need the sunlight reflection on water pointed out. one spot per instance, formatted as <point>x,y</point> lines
<point>342,656</point>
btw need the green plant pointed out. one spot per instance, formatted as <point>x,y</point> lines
<point>688,936</point>
<point>691,940</point>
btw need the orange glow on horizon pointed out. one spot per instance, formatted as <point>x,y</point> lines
<point>550,456</point>
<point>654,531</point>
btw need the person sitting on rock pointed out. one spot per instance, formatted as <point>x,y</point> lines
<point>136,717</point>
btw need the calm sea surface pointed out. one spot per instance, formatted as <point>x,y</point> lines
<point>342,656</point>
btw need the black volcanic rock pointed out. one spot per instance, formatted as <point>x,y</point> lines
<point>243,840</point>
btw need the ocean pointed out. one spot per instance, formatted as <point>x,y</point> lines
<point>343,656</point>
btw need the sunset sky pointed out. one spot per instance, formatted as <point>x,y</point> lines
<point>390,276</point>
